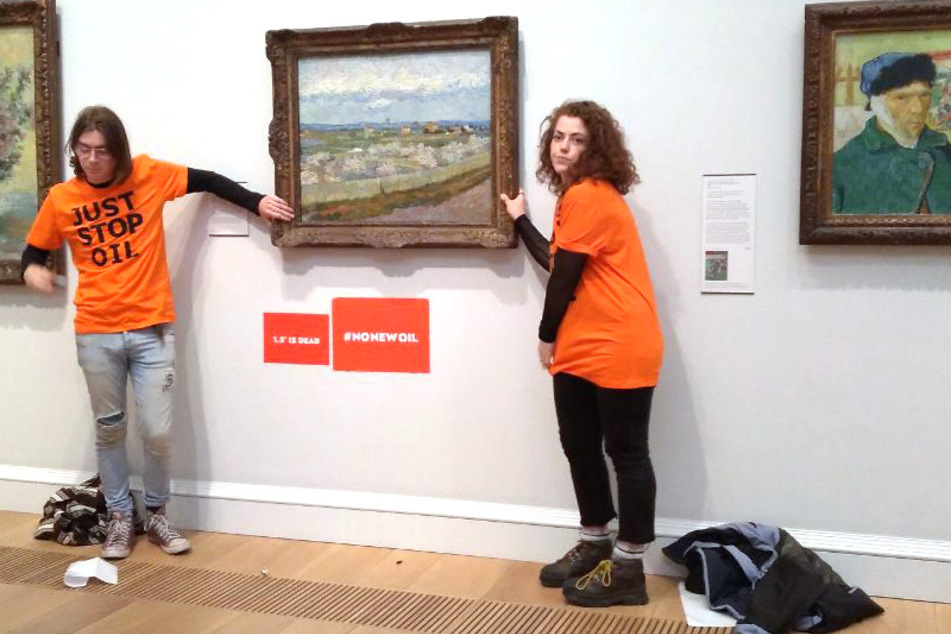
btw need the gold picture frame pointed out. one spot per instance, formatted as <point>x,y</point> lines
<point>396,135</point>
<point>29,124</point>
<point>858,184</point>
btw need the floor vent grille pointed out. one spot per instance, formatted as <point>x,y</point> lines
<point>357,605</point>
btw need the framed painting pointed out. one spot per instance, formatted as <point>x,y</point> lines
<point>396,135</point>
<point>29,122</point>
<point>876,155</point>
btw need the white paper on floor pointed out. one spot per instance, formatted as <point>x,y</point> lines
<point>698,611</point>
<point>79,572</point>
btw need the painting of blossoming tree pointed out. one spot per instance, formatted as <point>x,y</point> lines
<point>396,134</point>
<point>18,198</point>
<point>29,122</point>
<point>395,138</point>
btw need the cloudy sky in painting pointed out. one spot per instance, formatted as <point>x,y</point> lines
<point>405,87</point>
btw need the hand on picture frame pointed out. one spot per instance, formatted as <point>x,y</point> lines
<point>515,207</point>
<point>274,208</point>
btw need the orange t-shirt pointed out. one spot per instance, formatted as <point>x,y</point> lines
<point>117,242</point>
<point>610,334</point>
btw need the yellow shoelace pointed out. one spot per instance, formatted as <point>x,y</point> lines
<point>602,570</point>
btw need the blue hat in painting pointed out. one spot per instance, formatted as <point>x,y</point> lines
<point>894,70</point>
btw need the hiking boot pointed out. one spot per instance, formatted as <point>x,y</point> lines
<point>119,538</point>
<point>610,583</point>
<point>164,535</point>
<point>583,557</point>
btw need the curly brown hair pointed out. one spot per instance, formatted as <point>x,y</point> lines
<point>605,156</point>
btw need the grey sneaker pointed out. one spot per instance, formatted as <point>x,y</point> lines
<point>577,561</point>
<point>119,539</point>
<point>164,535</point>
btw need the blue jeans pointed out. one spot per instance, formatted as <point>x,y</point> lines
<point>147,357</point>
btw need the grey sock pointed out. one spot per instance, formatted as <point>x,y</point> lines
<point>622,554</point>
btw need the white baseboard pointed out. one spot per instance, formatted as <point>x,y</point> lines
<point>883,566</point>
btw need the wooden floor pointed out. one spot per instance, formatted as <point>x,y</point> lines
<point>29,608</point>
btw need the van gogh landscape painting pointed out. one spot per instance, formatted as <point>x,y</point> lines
<point>396,138</point>
<point>396,135</point>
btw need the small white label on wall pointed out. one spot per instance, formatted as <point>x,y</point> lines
<point>232,221</point>
<point>227,219</point>
<point>728,254</point>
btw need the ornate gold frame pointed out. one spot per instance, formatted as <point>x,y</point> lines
<point>824,22</point>
<point>285,48</point>
<point>41,16</point>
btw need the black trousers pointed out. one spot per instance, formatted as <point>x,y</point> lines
<point>593,420</point>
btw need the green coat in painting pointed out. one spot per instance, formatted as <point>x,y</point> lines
<point>875,175</point>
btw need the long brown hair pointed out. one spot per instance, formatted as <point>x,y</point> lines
<point>104,120</point>
<point>605,156</point>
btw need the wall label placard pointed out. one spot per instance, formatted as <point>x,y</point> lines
<point>380,334</point>
<point>728,253</point>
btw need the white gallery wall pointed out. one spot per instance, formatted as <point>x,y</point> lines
<point>819,404</point>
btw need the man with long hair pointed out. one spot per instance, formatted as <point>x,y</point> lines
<point>110,214</point>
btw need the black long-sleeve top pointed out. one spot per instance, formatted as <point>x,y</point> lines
<point>560,292</point>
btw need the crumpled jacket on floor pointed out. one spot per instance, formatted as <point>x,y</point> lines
<point>76,515</point>
<point>766,579</point>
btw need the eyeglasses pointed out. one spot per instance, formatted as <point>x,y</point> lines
<point>86,151</point>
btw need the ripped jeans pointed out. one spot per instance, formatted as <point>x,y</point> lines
<point>147,357</point>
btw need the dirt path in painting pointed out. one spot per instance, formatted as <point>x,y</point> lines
<point>471,207</point>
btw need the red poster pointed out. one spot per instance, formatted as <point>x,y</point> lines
<point>296,338</point>
<point>381,335</point>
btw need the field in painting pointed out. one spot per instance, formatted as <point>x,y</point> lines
<point>376,173</point>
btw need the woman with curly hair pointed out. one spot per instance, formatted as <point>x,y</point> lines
<point>600,339</point>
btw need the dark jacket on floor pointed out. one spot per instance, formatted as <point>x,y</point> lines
<point>767,580</point>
